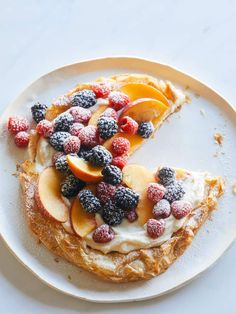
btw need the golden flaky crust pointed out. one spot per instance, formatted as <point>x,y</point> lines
<point>117,267</point>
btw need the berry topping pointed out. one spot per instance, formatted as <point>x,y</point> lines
<point>128,125</point>
<point>89,201</point>
<point>45,128</point>
<point>112,215</point>
<point>38,112</point>
<point>57,140</point>
<point>110,113</point>
<point>103,234</point>
<point>112,174</point>
<point>155,192</point>
<point>56,156</point>
<point>61,164</point>
<point>85,98</point>
<point>120,146</point>
<point>145,129</point>
<point>75,128</point>
<point>166,175</point>
<point>89,136</point>
<point>174,192</point>
<point>181,209</point>
<point>17,124</point>
<point>84,153</point>
<point>118,100</point>
<point>81,115</point>
<point>107,127</point>
<point>161,209</point>
<point>126,198</point>
<point>63,122</point>
<point>71,186</point>
<point>72,145</point>
<point>22,139</point>
<point>105,191</point>
<point>120,161</point>
<point>155,228</point>
<point>99,156</point>
<point>131,215</point>
<point>101,90</point>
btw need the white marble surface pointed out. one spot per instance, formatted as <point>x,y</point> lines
<point>196,36</point>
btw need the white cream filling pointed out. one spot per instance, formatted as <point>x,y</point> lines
<point>44,155</point>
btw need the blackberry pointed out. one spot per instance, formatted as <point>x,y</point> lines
<point>112,215</point>
<point>63,122</point>
<point>85,99</point>
<point>126,198</point>
<point>166,175</point>
<point>145,129</point>
<point>84,153</point>
<point>38,112</point>
<point>107,127</point>
<point>71,186</point>
<point>89,201</point>
<point>57,140</point>
<point>99,156</point>
<point>61,164</point>
<point>112,174</point>
<point>174,192</point>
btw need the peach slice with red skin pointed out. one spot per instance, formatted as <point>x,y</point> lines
<point>96,115</point>
<point>137,178</point>
<point>84,170</point>
<point>139,90</point>
<point>48,195</point>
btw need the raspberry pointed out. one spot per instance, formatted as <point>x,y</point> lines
<point>131,215</point>
<point>126,198</point>
<point>56,156</point>
<point>38,112</point>
<point>61,164</point>
<point>89,136</point>
<point>111,214</point>
<point>57,140</point>
<point>101,90</point>
<point>120,146</point>
<point>161,209</point>
<point>89,201</point>
<point>155,228</point>
<point>105,192</point>
<point>174,192</point>
<point>85,99</point>
<point>17,124</point>
<point>145,129</point>
<point>99,156</point>
<point>120,161</point>
<point>166,175</point>
<point>71,186</point>
<point>112,175</point>
<point>107,127</point>
<point>75,128</point>
<point>181,209</point>
<point>118,100</point>
<point>110,113</point>
<point>63,122</point>
<point>155,192</point>
<point>81,115</point>
<point>128,125</point>
<point>72,145</point>
<point>22,139</point>
<point>103,234</point>
<point>45,128</point>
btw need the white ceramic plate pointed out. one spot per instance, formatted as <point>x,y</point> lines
<point>186,141</point>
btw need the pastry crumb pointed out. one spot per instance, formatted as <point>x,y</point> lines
<point>56,259</point>
<point>203,112</point>
<point>69,277</point>
<point>216,155</point>
<point>196,95</point>
<point>218,138</point>
<point>234,188</point>
<point>39,241</point>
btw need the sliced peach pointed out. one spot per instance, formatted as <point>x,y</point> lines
<point>135,141</point>
<point>84,170</point>
<point>48,195</point>
<point>96,115</point>
<point>145,109</point>
<point>139,90</point>
<point>68,227</point>
<point>82,222</point>
<point>137,178</point>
